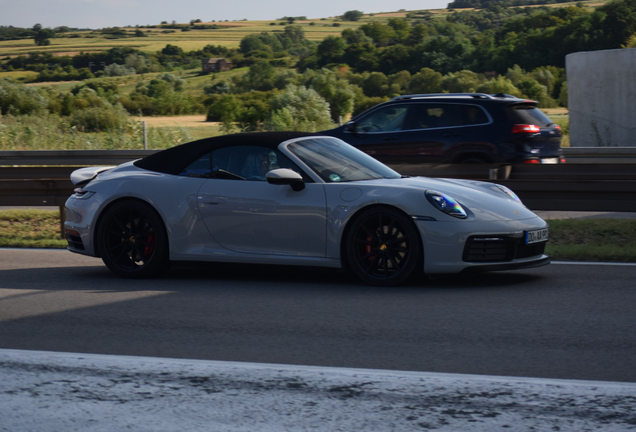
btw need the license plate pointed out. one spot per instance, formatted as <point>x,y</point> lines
<point>550,161</point>
<point>537,236</point>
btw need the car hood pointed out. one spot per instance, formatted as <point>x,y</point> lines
<point>484,200</point>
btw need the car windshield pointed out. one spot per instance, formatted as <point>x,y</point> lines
<point>336,161</point>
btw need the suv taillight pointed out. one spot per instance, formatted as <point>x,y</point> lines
<point>521,128</point>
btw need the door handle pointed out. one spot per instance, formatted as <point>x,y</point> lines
<point>210,200</point>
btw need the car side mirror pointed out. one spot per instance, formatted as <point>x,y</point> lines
<point>351,127</point>
<point>285,176</point>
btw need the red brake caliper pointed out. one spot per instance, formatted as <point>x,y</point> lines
<point>148,248</point>
<point>367,248</point>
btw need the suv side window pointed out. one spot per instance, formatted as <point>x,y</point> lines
<point>440,115</point>
<point>238,163</point>
<point>385,119</point>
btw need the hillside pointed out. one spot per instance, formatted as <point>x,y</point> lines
<point>228,34</point>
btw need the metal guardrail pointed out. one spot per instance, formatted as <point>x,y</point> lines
<point>570,186</point>
<point>71,157</point>
<point>596,155</point>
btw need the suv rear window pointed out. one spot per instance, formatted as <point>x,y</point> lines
<point>528,114</point>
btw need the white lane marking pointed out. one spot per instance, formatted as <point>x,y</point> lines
<point>49,391</point>
<point>34,354</point>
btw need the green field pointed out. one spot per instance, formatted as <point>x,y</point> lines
<point>188,41</point>
<point>230,35</point>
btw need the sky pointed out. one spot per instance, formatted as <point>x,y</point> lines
<point>120,13</point>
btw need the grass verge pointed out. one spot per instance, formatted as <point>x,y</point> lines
<point>30,229</point>
<point>593,239</point>
<point>570,239</point>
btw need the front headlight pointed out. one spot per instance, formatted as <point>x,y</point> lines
<point>446,204</point>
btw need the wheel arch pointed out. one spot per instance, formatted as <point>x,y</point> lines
<point>105,209</point>
<point>345,232</point>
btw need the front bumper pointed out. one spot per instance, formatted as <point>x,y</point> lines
<point>541,261</point>
<point>449,246</point>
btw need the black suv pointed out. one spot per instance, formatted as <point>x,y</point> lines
<point>454,128</point>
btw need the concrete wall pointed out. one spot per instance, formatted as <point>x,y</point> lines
<point>602,98</point>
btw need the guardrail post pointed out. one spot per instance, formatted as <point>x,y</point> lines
<point>145,136</point>
<point>62,219</point>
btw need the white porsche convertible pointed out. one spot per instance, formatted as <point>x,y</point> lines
<point>295,199</point>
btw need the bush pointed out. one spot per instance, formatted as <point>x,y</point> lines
<point>299,109</point>
<point>99,119</point>
<point>18,99</point>
<point>353,15</point>
<point>118,70</point>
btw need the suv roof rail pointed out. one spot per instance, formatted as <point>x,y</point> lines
<point>434,95</point>
<point>504,95</point>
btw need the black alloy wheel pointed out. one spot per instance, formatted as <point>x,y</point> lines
<point>132,240</point>
<point>383,247</point>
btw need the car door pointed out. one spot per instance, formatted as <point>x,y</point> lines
<point>244,213</point>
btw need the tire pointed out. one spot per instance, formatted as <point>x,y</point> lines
<point>132,240</point>
<point>383,247</point>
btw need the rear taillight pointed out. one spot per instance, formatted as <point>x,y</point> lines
<point>521,128</point>
<point>557,127</point>
<point>562,160</point>
<point>80,193</point>
<point>532,161</point>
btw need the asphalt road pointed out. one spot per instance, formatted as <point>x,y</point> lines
<point>561,321</point>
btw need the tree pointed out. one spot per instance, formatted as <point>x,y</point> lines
<point>382,34</point>
<point>352,15</point>
<point>461,82</point>
<point>226,111</point>
<point>500,84</point>
<point>398,83</point>
<point>355,36</point>
<point>401,29</point>
<point>361,57</point>
<point>42,36</point>
<point>261,76</point>
<point>172,50</point>
<point>299,109</point>
<point>425,81</point>
<point>337,92</point>
<point>375,84</point>
<point>139,62</point>
<point>330,50</point>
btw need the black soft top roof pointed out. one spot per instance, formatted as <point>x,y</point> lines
<point>176,159</point>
